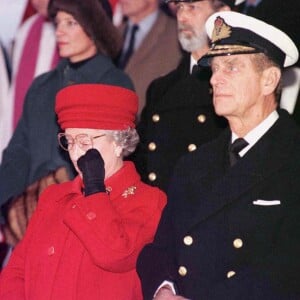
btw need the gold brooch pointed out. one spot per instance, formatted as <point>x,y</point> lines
<point>129,191</point>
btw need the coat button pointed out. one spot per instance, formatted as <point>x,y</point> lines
<point>152,176</point>
<point>230,274</point>
<point>51,250</point>
<point>155,118</point>
<point>201,118</point>
<point>152,146</point>
<point>91,215</point>
<point>192,147</point>
<point>182,271</point>
<point>188,240</point>
<point>74,206</point>
<point>238,243</point>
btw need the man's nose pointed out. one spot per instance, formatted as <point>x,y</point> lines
<point>182,16</point>
<point>216,78</point>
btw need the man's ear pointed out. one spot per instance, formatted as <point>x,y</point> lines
<point>270,80</point>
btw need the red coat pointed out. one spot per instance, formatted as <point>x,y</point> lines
<point>80,247</point>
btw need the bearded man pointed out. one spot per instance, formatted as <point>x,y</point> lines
<point>179,115</point>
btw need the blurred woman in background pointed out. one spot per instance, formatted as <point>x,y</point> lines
<point>87,41</point>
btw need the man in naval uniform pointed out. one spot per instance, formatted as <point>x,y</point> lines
<point>231,229</point>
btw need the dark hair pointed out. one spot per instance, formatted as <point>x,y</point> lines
<point>94,20</point>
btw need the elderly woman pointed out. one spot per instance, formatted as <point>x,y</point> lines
<point>87,41</point>
<point>84,238</point>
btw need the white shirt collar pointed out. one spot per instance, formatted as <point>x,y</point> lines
<point>193,62</point>
<point>255,134</point>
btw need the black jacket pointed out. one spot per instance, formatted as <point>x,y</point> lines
<point>218,239</point>
<point>177,119</point>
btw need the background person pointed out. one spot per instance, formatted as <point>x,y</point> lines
<point>231,227</point>
<point>84,238</point>
<point>12,15</point>
<point>87,40</point>
<point>179,116</point>
<point>154,50</point>
<point>34,52</point>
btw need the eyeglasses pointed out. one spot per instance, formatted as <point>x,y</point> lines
<point>84,141</point>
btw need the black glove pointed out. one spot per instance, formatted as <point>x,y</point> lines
<point>91,165</point>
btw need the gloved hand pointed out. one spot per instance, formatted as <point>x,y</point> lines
<point>91,165</point>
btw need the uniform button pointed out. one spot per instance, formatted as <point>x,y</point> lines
<point>230,274</point>
<point>182,271</point>
<point>152,176</point>
<point>51,250</point>
<point>74,206</point>
<point>152,146</point>
<point>91,215</point>
<point>188,240</point>
<point>192,147</point>
<point>237,243</point>
<point>155,118</point>
<point>201,118</point>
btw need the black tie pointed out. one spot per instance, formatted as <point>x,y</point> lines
<point>126,55</point>
<point>195,69</point>
<point>234,149</point>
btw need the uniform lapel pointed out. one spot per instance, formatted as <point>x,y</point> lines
<point>269,154</point>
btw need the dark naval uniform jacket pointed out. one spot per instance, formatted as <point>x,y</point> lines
<point>232,232</point>
<point>178,118</point>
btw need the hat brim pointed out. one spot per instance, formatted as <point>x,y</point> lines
<point>225,50</point>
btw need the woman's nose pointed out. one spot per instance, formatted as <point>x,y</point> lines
<point>59,29</point>
<point>77,152</point>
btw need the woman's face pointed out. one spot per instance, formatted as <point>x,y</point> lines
<point>110,152</point>
<point>72,41</point>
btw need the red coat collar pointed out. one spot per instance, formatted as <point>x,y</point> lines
<point>122,182</point>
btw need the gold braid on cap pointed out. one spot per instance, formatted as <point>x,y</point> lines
<point>230,49</point>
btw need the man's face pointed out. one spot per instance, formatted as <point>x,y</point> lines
<point>191,18</point>
<point>237,86</point>
<point>137,8</point>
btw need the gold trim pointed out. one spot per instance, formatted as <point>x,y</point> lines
<point>229,49</point>
<point>129,191</point>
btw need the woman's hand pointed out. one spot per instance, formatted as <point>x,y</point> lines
<point>91,165</point>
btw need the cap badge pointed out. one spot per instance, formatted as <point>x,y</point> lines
<point>221,30</point>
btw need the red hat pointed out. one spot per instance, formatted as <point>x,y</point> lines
<point>97,106</point>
